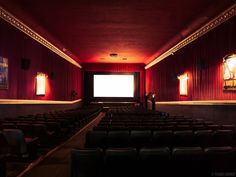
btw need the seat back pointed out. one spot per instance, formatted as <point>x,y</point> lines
<point>96,138</point>
<point>16,141</point>
<point>121,162</point>
<point>39,130</point>
<point>140,138</point>
<point>117,138</point>
<point>183,138</point>
<point>162,138</point>
<point>87,162</point>
<point>187,161</point>
<point>2,166</point>
<point>4,147</point>
<point>220,159</point>
<point>26,128</point>
<point>154,161</point>
<point>228,127</point>
<point>223,138</point>
<point>203,138</point>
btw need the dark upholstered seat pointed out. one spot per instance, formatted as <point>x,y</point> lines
<point>220,160</point>
<point>87,162</point>
<point>203,138</point>
<point>154,161</point>
<point>121,162</point>
<point>2,166</point>
<point>187,161</point>
<point>19,145</point>
<point>96,139</point>
<point>117,138</point>
<point>223,138</point>
<point>183,138</point>
<point>162,138</point>
<point>140,138</point>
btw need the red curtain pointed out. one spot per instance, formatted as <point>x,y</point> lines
<point>202,60</point>
<point>15,45</point>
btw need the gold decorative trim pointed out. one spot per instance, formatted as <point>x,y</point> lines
<point>8,17</point>
<point>224,16</point>
<point>17,101</point>
<point>200,102</point>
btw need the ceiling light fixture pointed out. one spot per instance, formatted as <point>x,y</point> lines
<point>113,55</point>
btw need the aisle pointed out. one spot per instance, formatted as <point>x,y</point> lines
<point>57,162</point>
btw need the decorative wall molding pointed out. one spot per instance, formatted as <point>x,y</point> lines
<point>224,16</point>
<point>37,102</point>
<point>199,102</point>
<point>8,17</point>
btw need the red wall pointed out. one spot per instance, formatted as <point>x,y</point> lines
<point>202,60</point>
<point>14,45</point>
<point>118,67</point>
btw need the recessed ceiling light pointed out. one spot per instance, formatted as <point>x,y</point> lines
<point>113,55</point>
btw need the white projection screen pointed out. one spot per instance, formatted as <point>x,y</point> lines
<point>113,85</point>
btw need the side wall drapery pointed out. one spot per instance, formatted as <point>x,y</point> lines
<point>63,77</point>
<point>202,60</point>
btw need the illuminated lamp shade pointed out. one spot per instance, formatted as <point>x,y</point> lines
<point>183,84</point>
<point>41,83</point>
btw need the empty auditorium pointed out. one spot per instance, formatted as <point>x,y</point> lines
<point>117,88</point>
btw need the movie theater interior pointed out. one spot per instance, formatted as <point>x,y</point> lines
<point>117,88</point>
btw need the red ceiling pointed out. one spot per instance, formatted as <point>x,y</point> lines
<point>134,29</point>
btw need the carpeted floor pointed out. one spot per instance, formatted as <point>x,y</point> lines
<point>57,162</point>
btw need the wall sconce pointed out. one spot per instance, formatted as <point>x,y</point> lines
<point>153,96</point>
<point>41,83</point>
<point>183,84</point>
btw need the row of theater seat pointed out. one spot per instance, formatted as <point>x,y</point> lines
<point>62,121</point>
<point>25,138</point>
<point>178,162</point>
<point>147,138</point>
<point>49,131</point>
<point>154,127</point>
<point>132,110</point>
<point>143,143</point>
<point>125,122</point>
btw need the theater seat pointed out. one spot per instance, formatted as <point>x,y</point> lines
<point>187,161</point>
<point>203,138</point>
<point>19,146</point>
<point>96,139</point>
<point>140,138</point>
<point>162,138</point>
<point>154,161</point>
<point>121,162</point>
<point>223,138</point>
<point>87,163</point>
<point>2,166</point>
<point>26,128</point>
<point>4,146</point>
<point>220,160</point>
<point>183,138</point>
<point>46,138</point>
<point>117,138</point>
<point>228,127</point>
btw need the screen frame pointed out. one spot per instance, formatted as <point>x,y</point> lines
<point>88,88</point>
